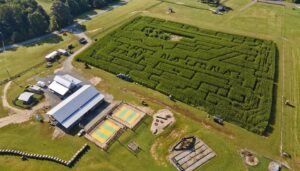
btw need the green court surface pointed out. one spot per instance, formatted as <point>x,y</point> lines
<point>127,114</point>
<point>105,131</point>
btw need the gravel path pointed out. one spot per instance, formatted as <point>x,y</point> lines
<point>18,115</point>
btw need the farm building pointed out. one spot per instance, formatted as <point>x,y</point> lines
<point>61,85</point>
<point>72,109</point>
<point>35,89</point>
<point>63,52</point>
<point>26,97</point>
<point>52,56</point>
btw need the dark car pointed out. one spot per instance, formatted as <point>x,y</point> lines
<point>125,77</point>
<point>82,41</point>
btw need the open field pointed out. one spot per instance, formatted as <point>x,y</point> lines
<point>102,24</point>
<point>118,156</point>
<point>46,4</point>
<point>19,59</point>
<point>276,23</point>
<point>229,75</point>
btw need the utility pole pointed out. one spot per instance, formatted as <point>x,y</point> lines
<point>2,41</point>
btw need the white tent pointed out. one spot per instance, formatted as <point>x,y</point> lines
<point>58,88</point>
<point>62,51</point>
<point>25,97</point>
<point>52,55</point>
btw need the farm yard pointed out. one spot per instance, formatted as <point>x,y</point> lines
<point>230,75</point>
<point>261,22</point>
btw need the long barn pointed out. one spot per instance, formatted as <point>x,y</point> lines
<point>72,109</point>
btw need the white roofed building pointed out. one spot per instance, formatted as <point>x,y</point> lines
<point>63,51</point>
<point>26,97</point>
<point>72,109</point>
<point>52,56</point>
<point>72,79</point>
<point>63,84</point>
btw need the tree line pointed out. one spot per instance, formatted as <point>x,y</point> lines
<point>24,19</point>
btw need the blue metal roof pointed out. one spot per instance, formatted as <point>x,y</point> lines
<point>75,106</point>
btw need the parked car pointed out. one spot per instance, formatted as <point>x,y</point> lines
<point>49,64</point>
<point>82,41</point>
<point>81,132</point>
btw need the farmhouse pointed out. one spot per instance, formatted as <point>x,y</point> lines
<point>26,97</point>
<point>61,85</point>
<point>72,109</point>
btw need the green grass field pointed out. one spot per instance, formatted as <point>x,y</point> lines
<point>31,55</point>
<point>263,21</point>
<point>46,4</point>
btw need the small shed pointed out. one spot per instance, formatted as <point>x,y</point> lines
<point>35,89</point>
<point>63,52</point>
<point>26,97</point>
<point>133,147</point>
<point>274,166</point>
<point>52,56</point>
<point>41,84</point>
<point>221,8</point>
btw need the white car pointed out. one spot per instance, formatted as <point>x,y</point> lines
<point>81,132</point>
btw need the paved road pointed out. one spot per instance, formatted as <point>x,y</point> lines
<point>67,66</point>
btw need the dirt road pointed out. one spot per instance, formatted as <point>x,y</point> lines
<point>17,115</point>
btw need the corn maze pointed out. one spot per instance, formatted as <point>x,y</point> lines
<point>230,75</point>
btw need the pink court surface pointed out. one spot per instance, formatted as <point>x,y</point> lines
<point>128,115</point>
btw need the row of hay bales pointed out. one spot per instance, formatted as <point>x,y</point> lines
<point>69,163</point>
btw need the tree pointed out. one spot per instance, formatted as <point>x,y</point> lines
<point>38,23</point>
<point>99,3</point>
<point>74,7</point>
<point>20,19</point>
<point>60,15</point>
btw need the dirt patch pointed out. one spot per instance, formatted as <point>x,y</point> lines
<point>134,12</point>
<point>92,31</point>
<point>165,140</point>
<point>161,120</point>
<point>145,109</point>
<point>95,80</point>
<point>108,97</point>
<point>180,3</point>
<point>57,133</point>
<point>175,38</point>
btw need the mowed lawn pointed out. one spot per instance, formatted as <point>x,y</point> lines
<point>112,19</point>
<point>46,4</point>
<point>226,141</point>
<point>118,157</point>
<point>21,58</point>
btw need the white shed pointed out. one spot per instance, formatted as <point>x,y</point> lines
<point>25,97</point>
<point>52,56</point>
